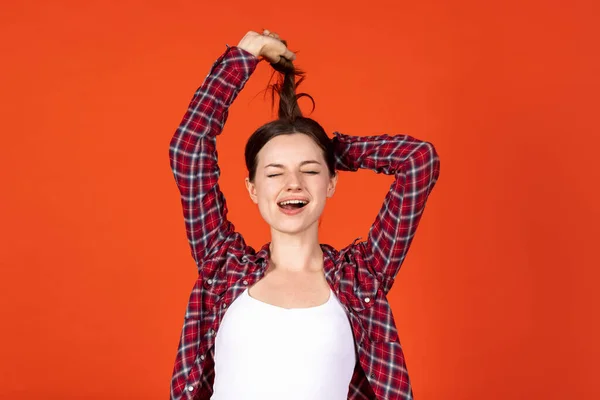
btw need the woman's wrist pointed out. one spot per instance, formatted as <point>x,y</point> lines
<point>244,45</point>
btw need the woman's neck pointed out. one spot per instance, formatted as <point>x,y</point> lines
<point>296,252</point>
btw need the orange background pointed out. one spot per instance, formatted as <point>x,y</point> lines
<point>498,297</point>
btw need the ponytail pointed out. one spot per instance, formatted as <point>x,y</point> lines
<point>285,87</point>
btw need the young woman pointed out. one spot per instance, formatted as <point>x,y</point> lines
<point>298,319</point>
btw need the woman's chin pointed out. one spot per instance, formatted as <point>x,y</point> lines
<point>288,225</point>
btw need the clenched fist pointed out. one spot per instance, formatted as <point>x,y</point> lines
<point>267,46</point>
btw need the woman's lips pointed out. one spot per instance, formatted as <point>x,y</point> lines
<point>292,211</point>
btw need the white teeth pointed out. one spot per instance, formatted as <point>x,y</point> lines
<point>293,202</point>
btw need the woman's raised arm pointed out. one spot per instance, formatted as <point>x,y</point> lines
<point>192,150</point>
<point>193,154</point>
<point>416,167</point>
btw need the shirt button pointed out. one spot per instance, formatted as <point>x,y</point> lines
<point>245,282</point>
<point>190,388</point>
<point>209,281</point>
<point>224,305</point>
<point>367,299</point>
<point>373,376</point>
<point>202,357</point>
<point>212,331</point>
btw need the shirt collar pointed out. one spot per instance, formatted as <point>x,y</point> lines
<point>329,255</point>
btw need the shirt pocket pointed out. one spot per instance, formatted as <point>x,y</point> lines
<point>215,283</point>
<point>362,289</point>
<point>365,293</point>
<point>359,283</point>
<point>366,297</point>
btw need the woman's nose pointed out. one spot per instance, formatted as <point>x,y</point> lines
<point>294,181</point>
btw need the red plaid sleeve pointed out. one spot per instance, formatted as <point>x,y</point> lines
<point>415,165</point>
<point>193,154</point>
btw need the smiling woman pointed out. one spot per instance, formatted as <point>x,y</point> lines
<point>290,165</point>
<point>297,319</point>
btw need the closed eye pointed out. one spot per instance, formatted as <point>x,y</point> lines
<point>306,172</point>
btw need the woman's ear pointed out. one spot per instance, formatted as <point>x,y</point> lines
<point>332,184</point>
<point>251,187</point>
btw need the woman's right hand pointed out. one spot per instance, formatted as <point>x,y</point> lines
<point>266,46</point>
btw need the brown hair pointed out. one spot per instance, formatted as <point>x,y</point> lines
<point>290,119</point>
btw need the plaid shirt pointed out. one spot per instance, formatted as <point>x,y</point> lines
<point>360,274</point>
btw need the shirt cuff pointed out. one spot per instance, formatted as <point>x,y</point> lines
<point>239,59</point>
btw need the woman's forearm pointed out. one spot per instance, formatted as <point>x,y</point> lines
<point>415,165</point>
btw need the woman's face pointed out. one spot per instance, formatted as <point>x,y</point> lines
<point>291,166</point>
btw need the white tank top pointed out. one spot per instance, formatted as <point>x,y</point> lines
<point>266,352</point>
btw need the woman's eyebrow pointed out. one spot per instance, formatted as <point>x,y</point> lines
<point>301,164</point>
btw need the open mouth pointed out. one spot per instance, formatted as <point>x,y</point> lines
<point>292,204</point>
